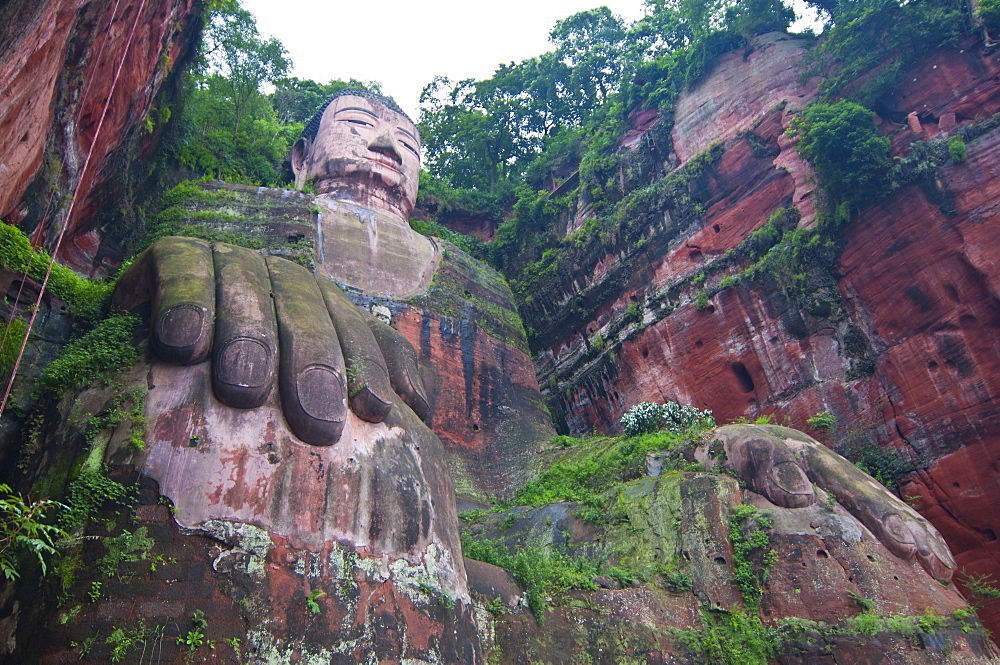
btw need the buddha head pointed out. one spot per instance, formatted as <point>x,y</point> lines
<point>361,147</point>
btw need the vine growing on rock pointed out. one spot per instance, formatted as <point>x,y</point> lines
<point>752,553</point>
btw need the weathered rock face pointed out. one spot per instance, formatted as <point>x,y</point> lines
<point>59,61</point>
<point>376,510</point>
<point>374,253</point>
<point>350,552</point>
<point>900,341</point>
<point>755,82</point>
<point>671,538</point>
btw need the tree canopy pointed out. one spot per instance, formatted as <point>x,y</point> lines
<point>231,127</point>
<point>504,136</point>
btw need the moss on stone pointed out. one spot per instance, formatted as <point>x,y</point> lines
<point>465,288</point>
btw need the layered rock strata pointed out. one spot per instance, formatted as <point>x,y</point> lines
<point>899,340</point>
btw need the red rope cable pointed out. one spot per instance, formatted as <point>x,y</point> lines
<point>72,204</point>
<point>36,240</point>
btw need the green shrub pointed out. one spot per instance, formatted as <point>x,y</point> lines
<point>956,149</point>
<point>844,147</point>
<point>982,585</point>
<point>101,353</point>
<point>24,529</point>
<point>732,638</point>
<point>823,422</point>
<point>541,572</point>
<point>13,335</point>
<point>86,299</point>
<point>883,463</point>
<point>867,624</point>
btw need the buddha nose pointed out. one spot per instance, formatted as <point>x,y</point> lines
<point>385,144</point>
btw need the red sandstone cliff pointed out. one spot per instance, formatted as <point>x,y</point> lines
<point>918,278</point>
<point>58,62</point>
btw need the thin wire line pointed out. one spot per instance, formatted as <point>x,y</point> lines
<point>72,204</point>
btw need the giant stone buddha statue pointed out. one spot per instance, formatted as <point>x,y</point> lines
<point>282,414</point>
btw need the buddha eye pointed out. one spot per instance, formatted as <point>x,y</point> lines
<point>410,148</point>
<point>359,122</point>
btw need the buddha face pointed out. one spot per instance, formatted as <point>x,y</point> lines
<point>363,152</point>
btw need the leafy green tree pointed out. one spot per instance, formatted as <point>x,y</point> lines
<point>846,150</point>
<point>829,8</point>
<point>295,99</point>
<point>245,61</point>
<point>255,155</point>
<point>227,127</point>
<point>989,11</point>
<point>478,133</point>
<point>664,29</point>
<point>592,45</point>
<point>549,84</point>
<point>749,18</point>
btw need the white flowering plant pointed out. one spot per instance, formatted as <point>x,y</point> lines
<point>646,417</point>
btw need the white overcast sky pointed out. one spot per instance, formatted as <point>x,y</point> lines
<point>403,44</point>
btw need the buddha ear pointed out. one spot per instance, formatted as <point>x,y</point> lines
<point>299,153</point>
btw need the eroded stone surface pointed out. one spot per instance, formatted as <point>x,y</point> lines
<point>58,61</point>
<point>374,252</point>
<point>676,526</point>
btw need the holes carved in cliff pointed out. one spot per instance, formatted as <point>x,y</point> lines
<point>952,293</point>
<point>743,377</point>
